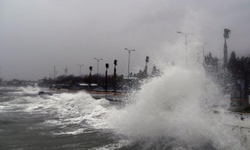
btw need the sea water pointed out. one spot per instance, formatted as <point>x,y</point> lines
<point>183,109</point>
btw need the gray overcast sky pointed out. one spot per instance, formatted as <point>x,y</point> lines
<point>35,35</point>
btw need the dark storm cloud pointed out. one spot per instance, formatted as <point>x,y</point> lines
<point>35,35</point>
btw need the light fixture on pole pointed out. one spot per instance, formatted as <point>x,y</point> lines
<point>66,70</point>
<point>185,34</point>
<point>97,76</point>
<point>80,66</point>
<point>129,59</point>
<point>55,72</point>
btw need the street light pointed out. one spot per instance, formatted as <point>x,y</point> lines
<point>66,70</point>
<point>185,34</point>
<point>97,76</point>
<point>80,66</point>
<point>55,72</point>
<point>106,77</point>
<point>129,58</point>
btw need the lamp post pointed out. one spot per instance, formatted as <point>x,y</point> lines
<point>146,67</point>
<point>55,72</point>
<point>106,77</point>
<point>90,76</point>
<point>97,76</point>
<point>80,66</point>
<point>129,59</point>
<point>185,34</point>
<point>66,70</point>
<point>115,63</point>
<point>226,36</point>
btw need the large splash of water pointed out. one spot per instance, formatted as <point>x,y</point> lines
<point>176,110</point>
<point>30,90</point>
<point>184,108</point>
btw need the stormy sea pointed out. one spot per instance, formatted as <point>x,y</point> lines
<point>167,113</point>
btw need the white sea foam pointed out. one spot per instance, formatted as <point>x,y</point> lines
<point>69,108</point>
<point>30,90</point>
<point>74,132</point>
<point>1,108</point>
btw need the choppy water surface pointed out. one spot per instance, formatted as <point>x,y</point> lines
<point>168,112</point>
<point>62,121</point>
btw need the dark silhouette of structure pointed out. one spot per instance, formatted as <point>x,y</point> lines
<point>90,76</point>
<point>226,36</point>
<point>146,67</point>
<point>115,63</point>
<point>106,77</point>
